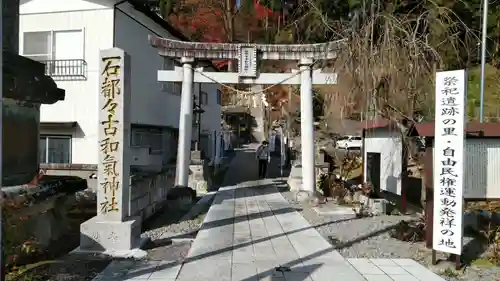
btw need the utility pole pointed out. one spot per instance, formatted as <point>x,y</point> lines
<point>2,254</point>
<point>481,20</point>
<point>483,59</point>
<point>2,251</point>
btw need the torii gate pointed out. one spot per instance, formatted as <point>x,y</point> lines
<point>248,56</point>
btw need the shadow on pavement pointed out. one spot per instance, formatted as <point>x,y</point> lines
<point>278,211</point>
<point>243,172</point>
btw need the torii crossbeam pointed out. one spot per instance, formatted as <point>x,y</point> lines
<point>176,75</point>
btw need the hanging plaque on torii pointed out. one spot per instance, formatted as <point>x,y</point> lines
<point>247,61</point>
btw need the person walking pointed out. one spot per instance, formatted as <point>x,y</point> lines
<point>263,157</point>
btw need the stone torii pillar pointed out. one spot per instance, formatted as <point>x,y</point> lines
<point>185,123</point>
<point>307,127</point>
<point>248,56</point>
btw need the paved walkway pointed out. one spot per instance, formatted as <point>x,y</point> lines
<point>251,233</point>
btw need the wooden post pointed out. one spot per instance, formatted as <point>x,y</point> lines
<point>404,179</point>
<point>429,192</point>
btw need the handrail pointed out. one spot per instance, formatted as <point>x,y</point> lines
<point>66,68</point>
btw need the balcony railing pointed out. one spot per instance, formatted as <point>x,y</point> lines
<point>74,69</point>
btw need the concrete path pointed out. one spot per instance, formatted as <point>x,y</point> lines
<point>251,233</point>
<point>243,166</point>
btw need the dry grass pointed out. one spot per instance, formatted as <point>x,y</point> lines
<point>492,206</point>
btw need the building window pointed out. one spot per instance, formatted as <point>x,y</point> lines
<point>53,45</point>
<point>55,149</point>
<point>38,45</point>
<point>170,144</point>
<point>61,51</point>
<point>151,138</point>
<point>203,98</point>
<point>219,97</point>
<point>177,88</point>
<point>170,87</point>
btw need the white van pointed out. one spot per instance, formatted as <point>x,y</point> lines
<point>350,142</point>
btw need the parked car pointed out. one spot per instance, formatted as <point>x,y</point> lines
<point>349,142</point>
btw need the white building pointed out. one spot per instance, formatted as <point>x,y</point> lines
<point>67,36</point>
<point>383,154</point>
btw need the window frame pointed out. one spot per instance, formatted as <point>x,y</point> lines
<point>174,88</point>
<point>49,42</point>
<point>203,98</point>
<point>47,140</point>
<point>219,96</point>
<point>52,43</point>
<point>144,137</point>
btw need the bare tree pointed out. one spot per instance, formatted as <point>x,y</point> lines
<point>390,59</point>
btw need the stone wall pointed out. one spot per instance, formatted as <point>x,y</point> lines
<point>39,210</point>
<point>149,191</point>
<point>48,220</point>
<point>42,222</point>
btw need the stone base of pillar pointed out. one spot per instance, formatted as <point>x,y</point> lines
<point>113,238</point>
<point>303,195</point>
<point>295,179</point>
<point>196,156</point>
<point>197,179</point>
<point>313,198</point>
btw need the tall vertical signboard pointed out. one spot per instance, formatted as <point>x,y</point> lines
<point>449,161</point>
<point>114,130</point>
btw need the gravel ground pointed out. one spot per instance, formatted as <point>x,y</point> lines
<point>169,224</point>
<point>171,234</point>
<point>369,238</point>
